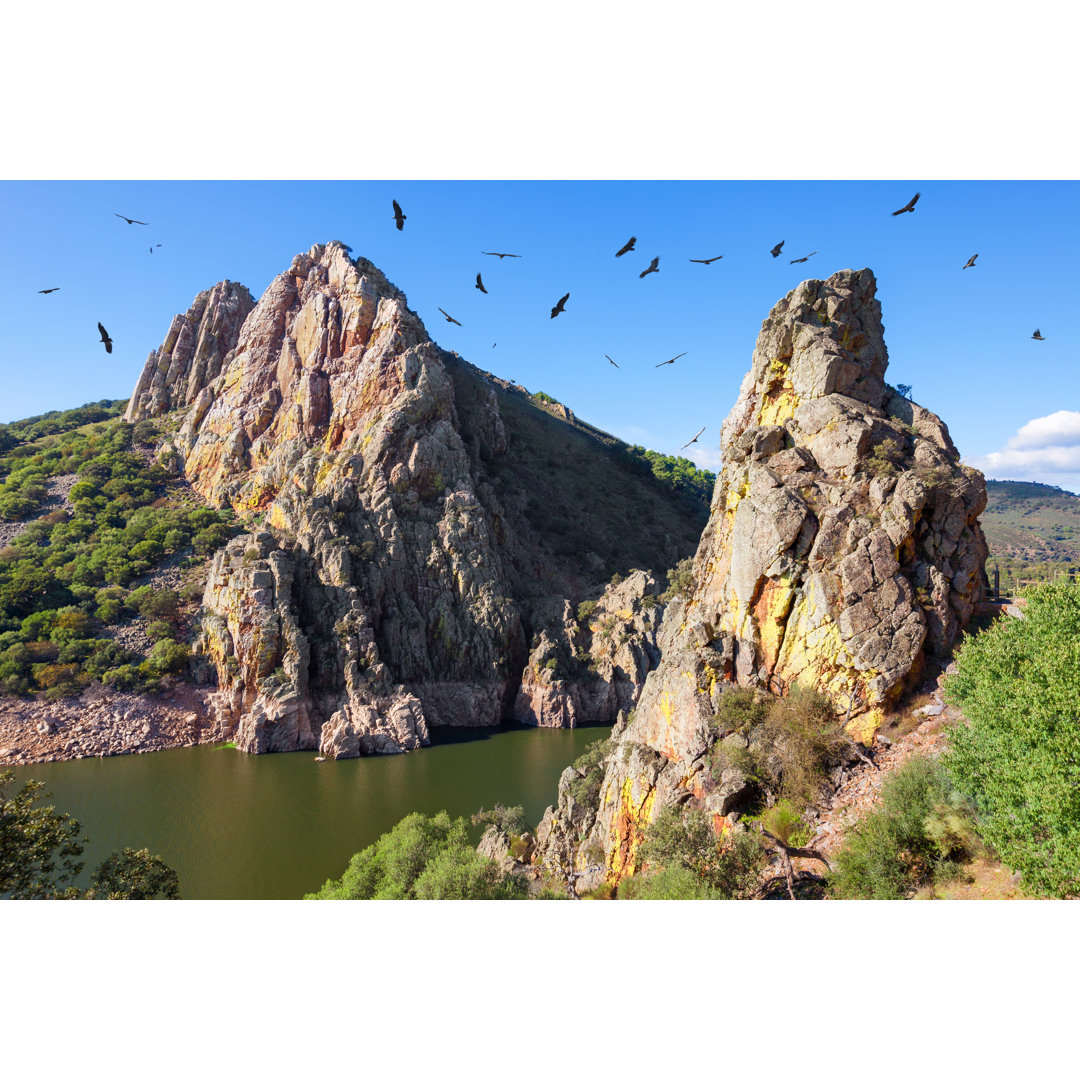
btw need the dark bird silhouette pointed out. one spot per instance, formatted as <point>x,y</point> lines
<point>480,284</point>
<point>105,338</point>
<point>776,250</point>
<point>672,360</point>
<point>130,221</point>
<point>707,262</point>
<point>804,258</point>
<point>450,318</point>
<point>910,208</point>
<point>1037,336</point>
<point>628,246</point>
<point>609,360</point>
<point>57,289</point>
<point>560,306</point>
<point>970,262</point>
<point>399,219</point>
<point>501,254</point>
<point>152,246</point>
<point>654,267</point>
<point>693,440</point>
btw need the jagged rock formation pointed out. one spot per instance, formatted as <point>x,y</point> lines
<point>587,666</point>
<point>195,349</point>
<point>416,526</point>
<point>842,550</point>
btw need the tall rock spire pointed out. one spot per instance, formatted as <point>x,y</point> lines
<point>842,549</point>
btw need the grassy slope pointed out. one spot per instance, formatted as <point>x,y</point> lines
<point>576,499</point>
<point>1031,522</point>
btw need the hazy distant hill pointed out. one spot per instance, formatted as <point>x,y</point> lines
<point>1031,522</point>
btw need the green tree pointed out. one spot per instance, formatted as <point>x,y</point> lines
<point>1018,684</point>
<point>423,858</point>
<point>40,849</point>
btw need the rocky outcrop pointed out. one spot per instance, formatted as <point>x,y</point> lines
<point>404,560</point>
<point>843,550</point>
<point>586,666</point>
<point>193,353</point>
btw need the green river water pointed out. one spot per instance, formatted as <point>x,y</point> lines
<point>275,826</point>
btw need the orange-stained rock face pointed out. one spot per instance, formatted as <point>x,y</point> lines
<point>843,548</point>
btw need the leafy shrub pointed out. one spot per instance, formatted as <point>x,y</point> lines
<point>922,828</point>
<point>801,735</point>
<point>1019,757</point>
<point>423,858</point>
<point>740,708</point>
<point>585,609</point>
<point>510,820</point>
<point>585,788</point>
<point>680,580</point>
<point>684,859</point>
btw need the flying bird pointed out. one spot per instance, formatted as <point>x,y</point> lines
<point>610,361</point>
<point>654,267</point>
<point>970,262</point>
<point>152,246</point>
<point>910,208</point>
<point>672,361</point>
<point>776,250</point>
<point>479,284</point>
<point>57,289</point>
<point>501,254</point>
<point>560,306</point>
<point>105,338</point>
<point>450,318</point>
<point>1037,336</point>
<point>693,440</point>
<point>628,246</point>
<point>130,221</point>
<point>804,258</point>
<point>399,219</point>
<point>707,262</point>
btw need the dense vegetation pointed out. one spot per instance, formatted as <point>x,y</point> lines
<point>73,571</point>
<point>921,834</point>
<point>21,432</point>
<point>423,858</point>
<point>684,860</point>
<point>1019,758</point>
<point>40,849</point>
<point>678,473</point>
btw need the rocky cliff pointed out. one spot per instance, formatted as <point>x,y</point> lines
<point>842,550</point>
<point>421,534</point>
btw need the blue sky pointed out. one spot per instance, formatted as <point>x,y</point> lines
<point>961,338</point>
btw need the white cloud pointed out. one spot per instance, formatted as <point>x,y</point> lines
<point>1045,450</point>
<point>1060,429</point>
<point>704,457</point>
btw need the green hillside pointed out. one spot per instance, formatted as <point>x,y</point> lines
<point>1032,531</point>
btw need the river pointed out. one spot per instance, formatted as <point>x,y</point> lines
<point>239,826</point>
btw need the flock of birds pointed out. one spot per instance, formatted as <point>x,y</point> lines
<point>560,306</point>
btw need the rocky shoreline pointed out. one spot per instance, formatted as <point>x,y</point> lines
<point>104,723</point>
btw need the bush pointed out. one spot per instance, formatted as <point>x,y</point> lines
<point>585,609</point>
<point>680,580</point>
<point>923,828</point>
<point>510,820</point>
<point>801,735</point>
<point>740,709</point>
<point>688,861</point>
<point>423,858</point>
<point>585,789</point>
<point>1019,758</point>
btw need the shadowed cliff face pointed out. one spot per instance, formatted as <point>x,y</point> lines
<point>842,549</point>
<point>396,576</point>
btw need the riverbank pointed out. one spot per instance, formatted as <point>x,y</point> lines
<point>103,723</point>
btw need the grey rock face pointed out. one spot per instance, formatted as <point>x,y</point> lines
<point>843,548</point>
